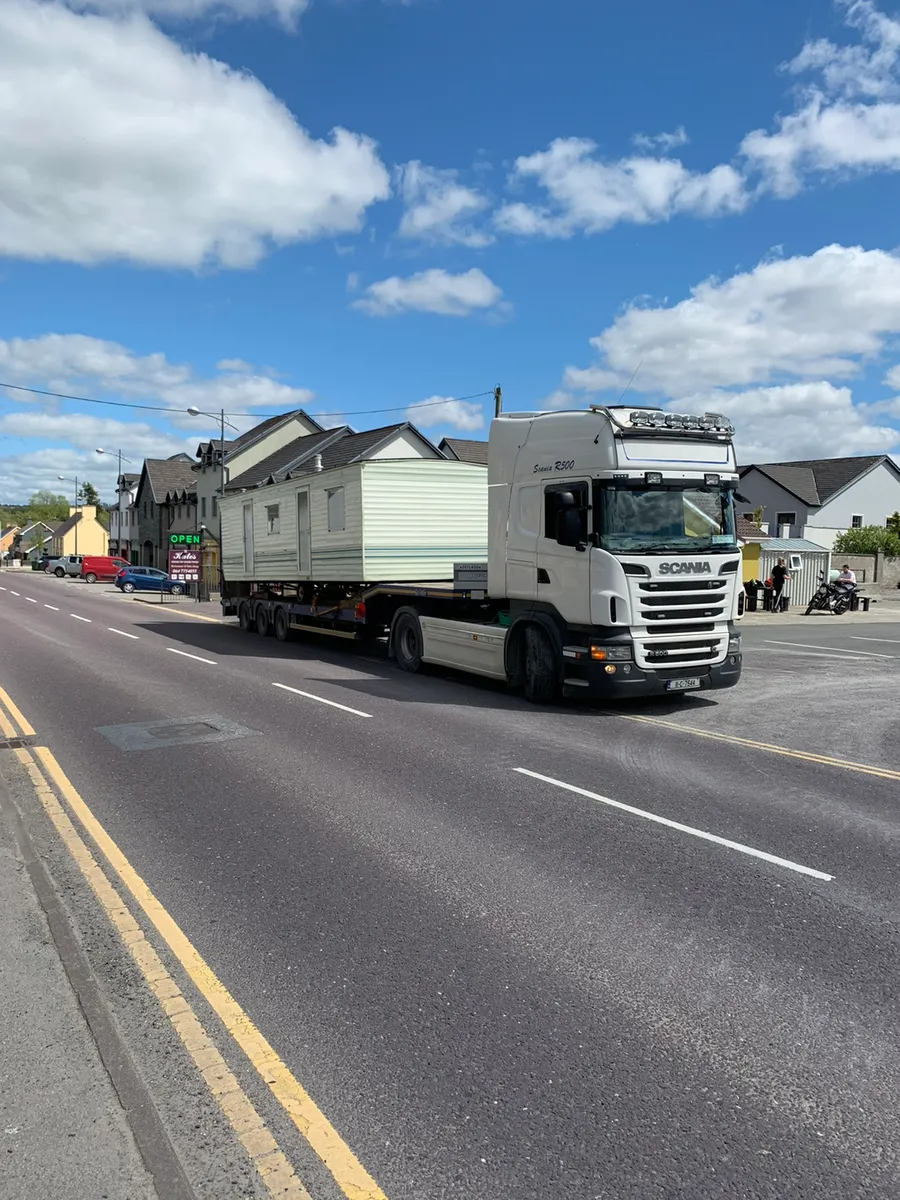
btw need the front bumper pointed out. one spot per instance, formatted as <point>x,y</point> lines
<point>591,681</point>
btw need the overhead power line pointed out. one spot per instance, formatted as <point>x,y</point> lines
<point>361,412</point>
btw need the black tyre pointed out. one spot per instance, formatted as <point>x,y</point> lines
<point>245,618</point>
<point>262,622</point>
<point>812,606</point>
<point>176,589</point>
<point>541,682</point>
<point>282,625</point>
<point>59,573</point>
<point>407,639</point>
<point>90,577</point>
<point>128,587</point>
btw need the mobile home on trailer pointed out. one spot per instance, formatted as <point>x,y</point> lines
<point>596,555</point>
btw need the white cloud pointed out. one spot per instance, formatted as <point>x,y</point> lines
<point>845,123</point>
<point>285,11</point>
<point>892,378</point>
<point>75,363</point>
<point>433,291</point>
<point>181,161</point>
<point>444,410</point>
<point>796,421</point>
<point>589,195</point>
<point>84,432</point>
<point>21,475</point>
<point>821,316</point>
<point>438,208</point>
<point>661,141</point>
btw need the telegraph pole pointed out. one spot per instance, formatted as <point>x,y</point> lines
<point>498,401</point>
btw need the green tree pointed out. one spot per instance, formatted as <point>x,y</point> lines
<point>893,523</point>
<point>870,539</point>
<point>89,494</point>
<point>47,506</point>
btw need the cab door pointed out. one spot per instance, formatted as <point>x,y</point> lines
<point>563,571</point>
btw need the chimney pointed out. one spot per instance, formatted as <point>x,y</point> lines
<point>784,531</point>
<point>764,526</point>
<point>317,462</point>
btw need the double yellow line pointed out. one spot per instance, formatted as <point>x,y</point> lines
<point>52,788</point>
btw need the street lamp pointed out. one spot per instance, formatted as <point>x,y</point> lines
<point>121,457</point>
<point>220,417</point>
<point>66,479</point>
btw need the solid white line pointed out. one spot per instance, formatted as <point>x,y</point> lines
<point>2,589</point>
<point>12,593</point>
<point>893,641</point>
<point>833,649</point>
<point>196,657</point>
<point>53,606</point>
<point>321,699</point>
<point>122,633</point>
<point>707,837</point>
<point>87,620</point>
<point>31,600</point>
<point>847,657</point>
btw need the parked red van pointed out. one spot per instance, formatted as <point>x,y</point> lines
<point>101,568</point>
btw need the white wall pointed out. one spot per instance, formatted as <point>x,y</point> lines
<point>820,535</point>
<point>874,497</point>
<point>404,445</point>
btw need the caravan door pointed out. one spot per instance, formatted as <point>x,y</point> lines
<point>304,554</point>
<point>248,539</point>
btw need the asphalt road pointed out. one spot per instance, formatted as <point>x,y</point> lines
<point>497,987</point>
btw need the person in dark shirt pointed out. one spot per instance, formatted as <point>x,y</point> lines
<point>780,579</point>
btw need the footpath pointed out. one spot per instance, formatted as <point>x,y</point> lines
<point>63,1131</point>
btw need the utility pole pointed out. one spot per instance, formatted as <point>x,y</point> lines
<point>498,401</point>
<point>65,479</point>
<point>121,490</point>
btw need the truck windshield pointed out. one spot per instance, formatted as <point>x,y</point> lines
<point>664,519</point>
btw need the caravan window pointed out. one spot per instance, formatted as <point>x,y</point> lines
<point>273,518</point>
<point>336,517</point>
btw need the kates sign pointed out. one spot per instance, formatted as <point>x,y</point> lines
<point>184,563</point>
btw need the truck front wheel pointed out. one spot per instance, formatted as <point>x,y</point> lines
<point>541,683</point>
<point>407,640</point>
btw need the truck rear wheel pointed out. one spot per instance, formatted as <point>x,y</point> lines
<point>541,683</point>
<point>282,625</point>
<point>407,640</point>
<point>262,622</point>
<point>245,618</point>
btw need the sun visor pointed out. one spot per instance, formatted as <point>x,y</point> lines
<point>636,452</point>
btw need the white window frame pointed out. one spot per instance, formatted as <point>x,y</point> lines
<point>857,517</point>
<point>273,519</point>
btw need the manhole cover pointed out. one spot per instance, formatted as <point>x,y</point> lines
<point>183,731</point>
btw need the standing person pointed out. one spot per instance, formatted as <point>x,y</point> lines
<point>780,579</point>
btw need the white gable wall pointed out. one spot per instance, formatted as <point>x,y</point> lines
<point>404,444</point>
<point>875,497</point>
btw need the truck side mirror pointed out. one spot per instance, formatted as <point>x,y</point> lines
<point>568,527</point>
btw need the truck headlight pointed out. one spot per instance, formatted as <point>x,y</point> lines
<point>612,653</point>
<point>734,644</point>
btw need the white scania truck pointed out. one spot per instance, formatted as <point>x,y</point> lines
<point>612,566</point>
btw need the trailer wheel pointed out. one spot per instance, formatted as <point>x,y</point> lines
<point>407,640</point>
<point>262,622</point>
<point>282,626</point>
<point>541,684</point>
<point>245,618</point>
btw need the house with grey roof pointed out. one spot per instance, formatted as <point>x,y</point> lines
<point>161,478</point>
<point>464,450</point>
<point>818,499</point>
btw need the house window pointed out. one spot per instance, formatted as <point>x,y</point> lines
<point>336,514</point>
<point>203,508</point>
<point>273,518</point>
<point>145,508</point>
<point>856,521</point>
<point>785,518</point>
<point>215,506</point>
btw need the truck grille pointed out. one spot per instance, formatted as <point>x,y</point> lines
<point>680,623</point>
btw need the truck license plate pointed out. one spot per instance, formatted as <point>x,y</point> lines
<point>682,685</point>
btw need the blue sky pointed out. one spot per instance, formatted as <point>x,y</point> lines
<point>538,195</point>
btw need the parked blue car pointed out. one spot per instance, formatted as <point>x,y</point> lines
<point>147,579</point>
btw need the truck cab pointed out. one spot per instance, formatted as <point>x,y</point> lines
<point>613,529</point>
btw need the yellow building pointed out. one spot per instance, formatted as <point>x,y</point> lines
<point>80,533</point>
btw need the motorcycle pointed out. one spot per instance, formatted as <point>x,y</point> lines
<point>835,598</point>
